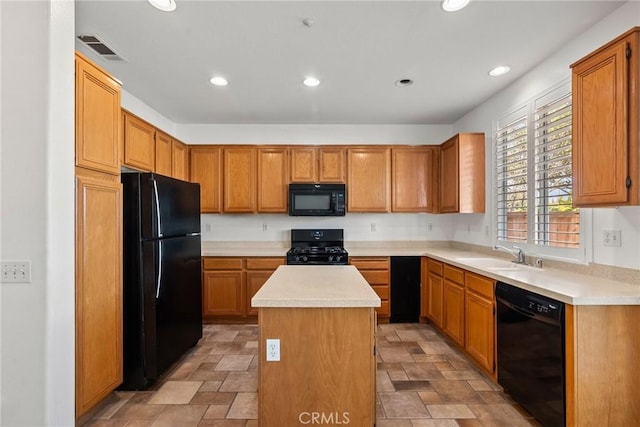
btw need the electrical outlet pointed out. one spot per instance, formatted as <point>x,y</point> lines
<point>264,226</point>
<point>207,228</point>
<point>612,238</point>
<point>15,272</point>
<point>273,350</point>
<point>373,227</point>
<point>430,227</point>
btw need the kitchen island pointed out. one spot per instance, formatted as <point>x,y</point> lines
<point>324,319</point>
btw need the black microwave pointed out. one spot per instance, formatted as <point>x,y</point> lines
<point>317,199</point>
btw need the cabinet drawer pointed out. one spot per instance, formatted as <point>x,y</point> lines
<point>264,263</point>
<point>366,263</point>
<point>479,284</point>
<point>382,291</point>
<point>454,274</point>
<point>434,267</point>
<point>222,263</point>
<point>376,277</point>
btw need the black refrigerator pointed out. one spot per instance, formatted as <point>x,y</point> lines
<point>162,289</point>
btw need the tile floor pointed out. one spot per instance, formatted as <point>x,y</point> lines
<point>421,381</point>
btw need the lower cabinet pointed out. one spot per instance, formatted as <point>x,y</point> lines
<point>258,271</point>
<point>376,271</point>
<point>462,305</point>
<point>480,320</point>
<point>229,283</point>
<point>98,302</point>
<point>453,304</point>
<point>433,291</point>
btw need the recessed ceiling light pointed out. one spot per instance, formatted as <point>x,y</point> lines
<point>403,82</point>
<point>499,70</point>
<point>164,5</point>
<point>218,81</point>
<point>454,5</point>
<point>311,82</point>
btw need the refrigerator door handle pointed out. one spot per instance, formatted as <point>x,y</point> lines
<point>155,191</point>
<point>159,270</point>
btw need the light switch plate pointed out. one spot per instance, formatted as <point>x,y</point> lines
<point>15,271</point>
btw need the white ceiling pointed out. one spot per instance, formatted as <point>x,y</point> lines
<point>358,49</point>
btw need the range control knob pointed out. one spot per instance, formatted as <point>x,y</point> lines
<point>330,258</point>
<point>304,259</point>
<point>338,258</point>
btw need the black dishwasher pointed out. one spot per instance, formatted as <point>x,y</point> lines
<point>405,289</point>
<point>531,368</point>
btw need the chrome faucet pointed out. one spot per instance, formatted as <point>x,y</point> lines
<point>519,254</point>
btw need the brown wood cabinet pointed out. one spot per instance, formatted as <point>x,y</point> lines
<point>273,179</point>
<point>139,143</point>
<point>239,182</point>
<point>453,319</point>
<point>97,122</point>
<point>229,283</point>
<point>206,170</point>
<point>317,164</point>
<point>179,160</point>
<point>164,154</point>
<point>377,271</point>
<point>369,179</point>
<point>412,179</point>
<point>480,321</point>
<point>258,271</point>
<point>98,287</point>
<point>98,237</point>
<point>434,292</point>
<point>462,174</point>
<point>606,124</point>
<point>223,287</point>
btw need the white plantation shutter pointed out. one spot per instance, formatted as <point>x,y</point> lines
<point>534,177</point>
<point>557,223</point>
<point>511,177</point>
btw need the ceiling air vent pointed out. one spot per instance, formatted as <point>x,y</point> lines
<point>99,47</point>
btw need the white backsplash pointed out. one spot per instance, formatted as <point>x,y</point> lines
<point>357,227</point>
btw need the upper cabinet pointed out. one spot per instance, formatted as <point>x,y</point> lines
<point>163,154</point>
<point>462,168</point>
<point>97,118</point>
<point>273,179</point>
<point>179,160</point>
<point>606,124</point>
<point>412,170</point>
<point>206,169</point>
<point>239,183</point>
<point>317,164</point>
<point>369,179</point>
<point>139,143</point>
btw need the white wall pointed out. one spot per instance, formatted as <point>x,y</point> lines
<point>555,69</point>
<point>37,352</point>
<point>313,134</point>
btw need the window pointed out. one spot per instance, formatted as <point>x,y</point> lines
<point>534,179</point>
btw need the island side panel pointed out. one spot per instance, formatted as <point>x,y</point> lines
<point>326,368</point>
<point>603,353</point>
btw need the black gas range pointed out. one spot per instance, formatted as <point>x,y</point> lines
<point>317,247</point>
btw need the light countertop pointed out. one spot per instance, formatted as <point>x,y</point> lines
<point>563,284</point>
<point>316,286</point>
